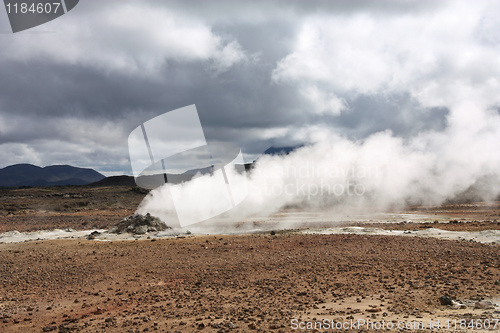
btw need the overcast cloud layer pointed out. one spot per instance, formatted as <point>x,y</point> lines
<point>264,73</point>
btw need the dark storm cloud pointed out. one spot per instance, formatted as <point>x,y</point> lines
<point>50,89</point>
<point>242,97</point>
<point>401,114</point>
<point>249,68</point>
<point>230,11</point>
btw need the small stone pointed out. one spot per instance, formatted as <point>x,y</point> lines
<point>446,300</point>
<point>485,305</point>
<point>374,310</point>
<point>141,230</point>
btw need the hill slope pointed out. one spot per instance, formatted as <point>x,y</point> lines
<point>32,175</point>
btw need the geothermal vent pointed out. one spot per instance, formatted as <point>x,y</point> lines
<point>139,224</point>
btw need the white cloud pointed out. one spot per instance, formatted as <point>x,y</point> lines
<point>133,37</point>
<point>436,56</point>
<point>73,141</point>
<point>231,54</point>
<point>324,103</point>
<point>18,153</point>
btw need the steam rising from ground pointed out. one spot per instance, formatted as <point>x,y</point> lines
<point>378,173</point>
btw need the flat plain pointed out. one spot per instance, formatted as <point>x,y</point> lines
<point>262,282</point>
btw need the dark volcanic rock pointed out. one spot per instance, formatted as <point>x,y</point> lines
<point>446,300</point>
<point>139,225</point>
<point>93,235</point>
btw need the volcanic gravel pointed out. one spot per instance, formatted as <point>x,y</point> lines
<point>234,283</point>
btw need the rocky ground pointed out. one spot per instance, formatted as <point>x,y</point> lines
<point>239,283</point>
<point>265,282</point>
<point>75,207</point>
<point>84,208</point>
<point>475,216</point>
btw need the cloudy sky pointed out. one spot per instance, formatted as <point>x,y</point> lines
<point>260,73</point>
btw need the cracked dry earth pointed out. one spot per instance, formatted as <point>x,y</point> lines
<point>239,283</point>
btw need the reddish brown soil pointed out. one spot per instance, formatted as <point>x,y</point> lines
<point>76,207</point>
<point>476,216</point>
<point>233,283</point>
<point>230,283</point>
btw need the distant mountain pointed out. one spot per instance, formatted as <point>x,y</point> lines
<point>115,181</point>
<point>54,175</point>
<point>152,181</point>
<point>281,150</point>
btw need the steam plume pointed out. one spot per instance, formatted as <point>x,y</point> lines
<point>378,173</point>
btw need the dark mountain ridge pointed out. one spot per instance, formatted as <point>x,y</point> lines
<point>54,175</point>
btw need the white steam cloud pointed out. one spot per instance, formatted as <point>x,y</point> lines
<point>378,173</point>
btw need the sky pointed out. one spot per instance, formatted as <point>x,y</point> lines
<point>260,74</point>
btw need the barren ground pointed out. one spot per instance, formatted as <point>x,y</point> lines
<point>255,282</point>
